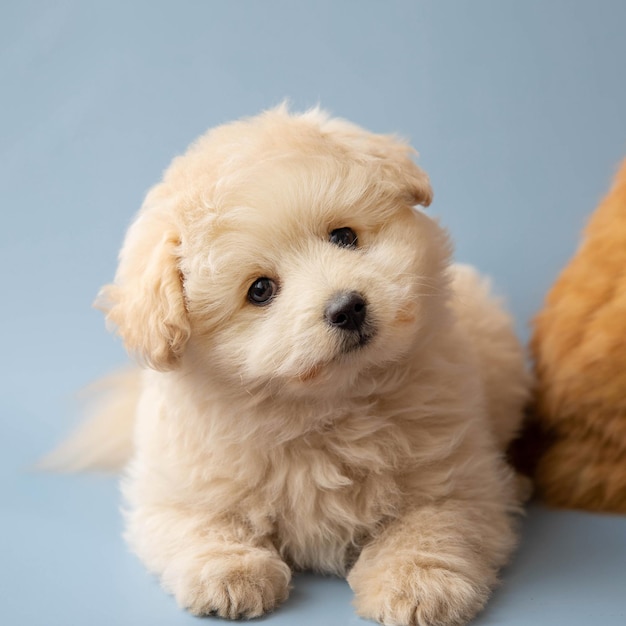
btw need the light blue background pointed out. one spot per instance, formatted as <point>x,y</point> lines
<point>518,109</point>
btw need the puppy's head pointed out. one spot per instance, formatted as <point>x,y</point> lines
<point>284,250</point>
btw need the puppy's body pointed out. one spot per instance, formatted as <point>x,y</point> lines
<point>278,435</point>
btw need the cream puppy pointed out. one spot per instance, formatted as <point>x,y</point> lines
<point>323,389</point>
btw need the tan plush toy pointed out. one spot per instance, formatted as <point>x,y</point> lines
<point>579,349</point>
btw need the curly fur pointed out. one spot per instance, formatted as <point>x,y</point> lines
<point>260,444</point>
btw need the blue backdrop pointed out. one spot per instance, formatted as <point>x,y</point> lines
<point>518,110</point>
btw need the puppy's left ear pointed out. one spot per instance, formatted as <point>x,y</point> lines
<point>392,159</point>
<point>146,304</point>
<point>417,183</point>
<point>411,180</point>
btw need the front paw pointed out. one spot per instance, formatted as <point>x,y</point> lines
<point>237,584</point>
<point>407,594</point>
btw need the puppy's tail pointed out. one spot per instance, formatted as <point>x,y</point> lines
<point>104,441</point>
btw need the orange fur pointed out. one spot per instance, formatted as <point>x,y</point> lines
<point>579,348</point>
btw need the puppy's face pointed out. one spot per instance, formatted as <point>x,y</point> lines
<point>295,259</point>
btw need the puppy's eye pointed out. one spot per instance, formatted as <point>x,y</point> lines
<point>344,237</point>
<point>262,291</point>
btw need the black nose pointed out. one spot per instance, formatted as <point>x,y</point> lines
<point>346,310</point>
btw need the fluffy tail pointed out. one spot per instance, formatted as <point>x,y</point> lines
<point>104,441</point>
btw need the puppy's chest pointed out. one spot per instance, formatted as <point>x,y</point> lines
<point>324,501</point>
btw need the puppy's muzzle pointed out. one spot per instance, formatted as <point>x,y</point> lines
<point>347,311</point>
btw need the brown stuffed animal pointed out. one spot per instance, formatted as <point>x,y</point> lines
<point>579,349</point>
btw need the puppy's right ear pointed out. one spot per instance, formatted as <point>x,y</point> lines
<point>145,304</point>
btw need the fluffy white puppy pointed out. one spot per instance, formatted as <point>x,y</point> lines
<point>323,390</point>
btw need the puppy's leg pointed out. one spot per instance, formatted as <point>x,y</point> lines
<point>210,567</point>
<point>435,566</point>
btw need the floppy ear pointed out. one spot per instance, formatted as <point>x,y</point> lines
<point>417,183</point>
<point>412,180</point>
<point>146,304</point>
<point>393,157</point>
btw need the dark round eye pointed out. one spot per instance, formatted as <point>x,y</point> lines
<point>344,237</point>
<point>262,291</point>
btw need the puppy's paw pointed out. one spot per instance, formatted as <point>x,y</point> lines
<point>413,595</point>
<point>234,585</point>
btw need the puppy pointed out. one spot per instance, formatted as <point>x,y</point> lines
<point>579,351</point>
<point>322,388</point>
